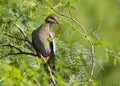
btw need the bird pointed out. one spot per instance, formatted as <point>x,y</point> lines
<point>42,40</point>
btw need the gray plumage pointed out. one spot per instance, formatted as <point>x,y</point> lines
<point>42,38</point>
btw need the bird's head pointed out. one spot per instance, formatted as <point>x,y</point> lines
<point>51,19</point>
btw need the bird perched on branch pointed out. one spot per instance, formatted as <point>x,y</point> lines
<point>42,40</point>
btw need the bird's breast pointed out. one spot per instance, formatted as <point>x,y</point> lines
<point>44,38</point>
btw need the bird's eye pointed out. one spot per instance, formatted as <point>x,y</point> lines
<point>52,18</point>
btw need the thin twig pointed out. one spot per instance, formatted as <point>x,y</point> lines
<point>23,33</point>
<point>49,69</point>
<point>2,78</point>
<point>11,36</point>
<point>20,51</point>
<point>29,46</point>
<point>93,60</point>
<point>86,36</point>
<point>11,45</point>
<point>36,81</point>
<point>51,74</point>
<point>25,37</point>
<point>25,53</point>
<point>70,12</point>
<point>92,51</point>
<point>82,28</point>
<point>21,30</point>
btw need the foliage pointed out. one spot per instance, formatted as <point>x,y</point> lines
<point>73,53</point>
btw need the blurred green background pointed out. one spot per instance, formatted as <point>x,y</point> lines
<point>101,19</point>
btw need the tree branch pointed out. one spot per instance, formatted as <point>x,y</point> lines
<point>27,53</point>
<point>29,45</point>
<point>20,51</point>
<point>52,76</point>
<point>13,46</point>
<point>81,26</point>
<point>2,78</point>
<point>93,60</point>
<point>86,36</point>
<point>25,37</point>
<point>49,69</point>
<point>11,36</point>
<point>23,33</point>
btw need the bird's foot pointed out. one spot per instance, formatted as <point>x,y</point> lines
<point>46,59</point>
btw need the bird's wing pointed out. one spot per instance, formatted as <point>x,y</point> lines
<point>37,44</point>
<point>42,44</point>
<point>51,61</point>
<point>52,44</point>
